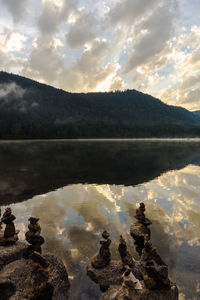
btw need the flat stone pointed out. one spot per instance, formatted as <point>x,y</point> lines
<point>7,289</point>
<point>111,274</point>
<point>116,293</point>
<point>18,272</point>
<point>11,253</point>
<point>138,230</point>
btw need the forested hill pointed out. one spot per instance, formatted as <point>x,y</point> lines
<point>29,109</point>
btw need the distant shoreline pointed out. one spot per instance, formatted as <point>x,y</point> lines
<point>102,140</point>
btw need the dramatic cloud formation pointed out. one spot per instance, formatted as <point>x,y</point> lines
<point>80,45</point>
<point>16,8</point>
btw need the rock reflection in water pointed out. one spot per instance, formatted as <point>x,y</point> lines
<point>73,217</point>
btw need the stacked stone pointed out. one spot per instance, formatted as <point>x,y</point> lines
<point>33,237</point>
<point>124,253</point>
<point>145,279</point>
<point>103,257</point>
<point>140,230</point>
<point>9,236</point>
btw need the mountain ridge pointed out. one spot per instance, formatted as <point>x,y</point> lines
<point>29,109</point>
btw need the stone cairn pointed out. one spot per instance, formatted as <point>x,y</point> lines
<point>145,279</point>
<point>103,257</point>
<point>10,235</point>
<point>33,237</point>
<point>131,286</point>
<point>126,257</point>
<point>140,230</point>
<point>153,268</point>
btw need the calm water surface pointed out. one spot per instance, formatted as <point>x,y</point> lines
<point>118,175</point>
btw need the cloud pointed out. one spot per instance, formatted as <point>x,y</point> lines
<point>61,43</point>
<point>45,61</point>
<point>11,90</point>
<point>53,14</point>
<point>14,41</point>
<point>16,8</point>
<point>89,70</point>
<point>190,99</point>
<point>128,11</point>
<point>156,31</point>
<point>82,30</point>
<point>117,84</point>
<point>189,81</point>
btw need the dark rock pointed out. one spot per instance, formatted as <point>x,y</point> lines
<point>38,258</point>
<point>38,286</point>
<point>117,293</point>
<point>111,274</point>
<point>11,253</point>
<point>19,272</point>
<point>5,241</point>
<point>33,237</point>
<point>140,216</point>
<point>58,277</point>
<point>7,289</point>
<point>124,253</point>
<point>139,232</point>
<point>153,268</point>
<point>102,259</point>
<point>9,236</point>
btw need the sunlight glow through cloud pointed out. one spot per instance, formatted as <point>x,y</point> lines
<point>106,45</point>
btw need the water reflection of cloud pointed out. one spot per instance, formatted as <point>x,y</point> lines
<point>73,217</point>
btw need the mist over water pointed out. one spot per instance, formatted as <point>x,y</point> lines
<point>78,189</point>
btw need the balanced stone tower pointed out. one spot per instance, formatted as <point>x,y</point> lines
<point>140,230</point>
<point>33,237</point>
<point>126,257</point>
<point>102,258</point>
<point>9,236</point>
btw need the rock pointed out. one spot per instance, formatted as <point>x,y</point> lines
<point>117,293</point>
<point>139,232</point>
<point>5,241</point>
<point>153,268</point>
<point>9,236</point>
<point>7,289</point>
<point>111,274</point>
<point>11,253</point>
<point>124,253</point>
<point>9,230</point>
<point>140,216</point>
<point>19,273</point>
<point>38,286</point>
<point>33,237</point>
<point>58,277</point>
<point>102,259</point>
<point>38,258</point>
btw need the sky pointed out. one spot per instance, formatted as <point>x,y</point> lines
<point>95,45</point>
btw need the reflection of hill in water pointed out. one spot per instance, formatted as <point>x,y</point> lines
<point>32,168</point>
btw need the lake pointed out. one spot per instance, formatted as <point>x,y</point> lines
<point>80,188</point>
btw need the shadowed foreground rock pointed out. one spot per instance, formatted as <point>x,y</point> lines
<point>11,253</point>
<point>21,277</point>
<point>18,274</point>
<point>111,274</point>
<point>117,293</point>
